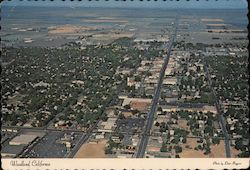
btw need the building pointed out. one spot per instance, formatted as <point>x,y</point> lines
<point>100,136</point>
<point>116,139</point>
<point>108,126</point>
<point>23,140</point>
<point>11,151</point>
<point>170,81</point>
<point>193,108</point>
<point>135,140</point>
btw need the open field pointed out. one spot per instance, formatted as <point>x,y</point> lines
<point>62,29</point>
<point>127,114</point>
<point>218,151</point>
<point>212,20</point>
<point>107,36</point>
<point>92,150</point>
<point>234,152</point>
<point>105,20</point>
<point>190,152</point>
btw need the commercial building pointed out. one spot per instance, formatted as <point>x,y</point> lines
<point>23,140</point>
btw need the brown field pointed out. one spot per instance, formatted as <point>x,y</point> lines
<point>91,150</point>
<point>211,20</point>
<point>66,29</point>
<point>141,106</point>
<point>182,123</point>
<point>234,152</point>
<point>191,153</point>
<point>214,25</point>
<point>104,20</point>
<point>127,114</point>
<point>218,151</point>
<point>113,35</point>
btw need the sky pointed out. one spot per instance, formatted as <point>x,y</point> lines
<point>200,4</point>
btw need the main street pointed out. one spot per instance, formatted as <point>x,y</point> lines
<point>150,117</point>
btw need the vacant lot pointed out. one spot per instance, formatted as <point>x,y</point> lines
<point>218,151</point>
<point>65,29</point>
<point>190,152</point>
<point>92,150</point>
<point>234,152</point>
<point>127,114</point>
<point>141,106</point>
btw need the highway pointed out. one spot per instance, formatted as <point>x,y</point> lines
<point>221,117</point>
<point>150,117</point>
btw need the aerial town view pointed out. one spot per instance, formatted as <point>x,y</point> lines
<point>85,82</point>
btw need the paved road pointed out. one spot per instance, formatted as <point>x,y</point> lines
<point>41,129</point>
<point>150,117</point>
<point>221,117</point>
<point>82,140</point>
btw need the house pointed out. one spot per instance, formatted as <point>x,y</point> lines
<point>153,149</point>
<point>170,81</point>
<point>135,140</point>
<point>100,136</point>
<point>116,139</point>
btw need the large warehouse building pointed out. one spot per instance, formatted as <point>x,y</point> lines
<point>23,140</point>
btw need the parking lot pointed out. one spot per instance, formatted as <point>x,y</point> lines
<point>130,125</point>
<point>48,147</point>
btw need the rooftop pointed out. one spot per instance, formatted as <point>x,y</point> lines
<point>23,139</point>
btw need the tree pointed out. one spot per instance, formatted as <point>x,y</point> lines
<point>170,148</point>
<point>173,115</point>
<point>14,122</point>
<point>79,117</point>
<point>178,149</point>
<point>121,136</point>
<point>163,96</point>
<point>198,68</point>
<point>164,148</point>
<point>127,106</point>
<point>108,150</point>
<point>121,116</point>
<point>207,150</point>
<point>159,109</point>
<point>137,78</point>
<point>239,145</point>
<point>181,132</point>
<point>149,74</point>
<point>244,154</point>
<point>184,114</point>
<point>104,118</point>
<point>135,111</point>
<point>157,124</point>
<point>209,129</point>
<point>163,127</point>
<point>216,140</point>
